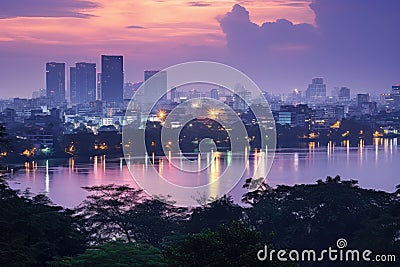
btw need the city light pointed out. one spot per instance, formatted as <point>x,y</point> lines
<point>213,113</point>
<point>161,115</point>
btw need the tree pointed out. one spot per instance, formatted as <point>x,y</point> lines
<point>115,254</point>
<point>4,143</point>
<point>316,215</point>
<point>153,220</point>
<point>33,231</point>
<point>105,213</point>
<point>233,244</point>
<point>212,215</point>
<point>121,212</point>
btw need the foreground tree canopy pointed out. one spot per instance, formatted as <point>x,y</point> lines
<point>121,226</point>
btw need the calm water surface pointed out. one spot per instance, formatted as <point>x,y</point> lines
<point>376,166</point>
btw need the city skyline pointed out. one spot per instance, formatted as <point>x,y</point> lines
<point>281,45</point>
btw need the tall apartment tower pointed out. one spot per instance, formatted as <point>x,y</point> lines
<point>82,83</point>
<point>157,85</point>
<point>316,90</point>
<point>112,79</point>
<point>72,85</point>
<point>344,94</point>
<point>98,90</point>
<point>55,82</point>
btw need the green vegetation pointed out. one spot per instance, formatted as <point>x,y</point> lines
<point>33,231</point>
<point>120,226</point>
<point>116,254</point>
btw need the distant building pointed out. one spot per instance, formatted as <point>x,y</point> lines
<point>150,73</point>
<point>362,99</point>
<point>84,77</point>
<point>55,82</point>
<point>316,91</point>
<point>174,95</point>
<point>335,92</point>
<point>98,89</point>
<point>396,89</point>
<point>96,107</point>
<point>369,108</point>
<point>128,91</point>
<point>214,94</point>
<point>72,85</point>
<point>112,79</point>
<point>344,94</point>
<point>156,86</point>
<point>324,117</point>
<point>295,116</point>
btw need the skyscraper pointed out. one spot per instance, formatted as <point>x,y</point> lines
<point>174,95</point>
<point>55,82</point>
<point>85,82</point>
<point>98,91</point>
<point>112,78</point>
<point>149,73</point>
<point>214,93</point>
<point>157,85</point>
<point>72,85</point>
<point>316,91</point>
<point>344,94</point>
<point>362,99</point>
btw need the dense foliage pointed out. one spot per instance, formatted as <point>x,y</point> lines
<point>120,226</point>
<point>33,231</point>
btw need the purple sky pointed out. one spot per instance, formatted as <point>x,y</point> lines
<point>281,44</point>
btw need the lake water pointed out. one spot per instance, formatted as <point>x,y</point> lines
<point>376,166</point>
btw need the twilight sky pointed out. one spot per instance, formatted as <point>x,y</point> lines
<point>281,44</point>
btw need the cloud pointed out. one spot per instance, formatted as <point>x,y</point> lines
<point>246,36</point>
<point>46,8</point>
<point>288,3</point>
<point>135,27</point>
<point>352,42</point>
<point>294,4</point>
<point>198,4</point>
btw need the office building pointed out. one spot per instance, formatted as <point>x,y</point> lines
<point>344,94</point>
<point>55,82</point>
<point>316,91</point>
<point>156,86</point>
<point>174,95</point>
<point>72,85</point>
<point>362,99</point>
<point>85,76</point>
<point>214,94</point>
<point>112,79</point>
<point>396,89</point>
<point>98,89</point>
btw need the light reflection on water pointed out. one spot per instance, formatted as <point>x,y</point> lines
<point>375,166</point>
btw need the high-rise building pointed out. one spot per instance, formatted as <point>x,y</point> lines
<point>72,85</point>
<point>85,75</point>
<point>150,73</point>
<point>344,94</point>
<point>112,78</point>
<point>128,91</point>
<point>174,95</point>
<point>396,89</point>
<point>98,91</point>
<point>214,94</point>
<point>55,82</point>
<point>362,99</point>
<point>157,85</point>
<point>335,92</point>
<point>316,91</point>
